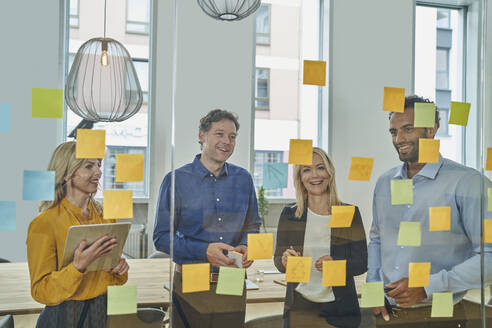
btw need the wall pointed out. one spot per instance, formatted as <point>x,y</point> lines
<point>31,56</point>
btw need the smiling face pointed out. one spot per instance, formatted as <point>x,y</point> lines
<point>218,142</point>
<point>315,177</point>
<point>86,178</point>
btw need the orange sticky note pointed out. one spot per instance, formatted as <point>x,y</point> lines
<point>196,277</point>
<point>488,165</point>
<point>118,204</point>
<point>298,269</point>
<point>260,246</point>
<point>301,152</point>
<point>90,143</point>
<point>334,273</point>
<point>439,218</point>
<point>361,168</point>
<point>394,99</point>
<point>428,150</point>
<point>341,216</point>
<point>129,167</point>
<point>418,274</point>
<point>487,231</point>
<point>314,72</point>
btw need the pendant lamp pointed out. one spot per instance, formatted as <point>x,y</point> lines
<point>229,10</point>
<point>102,85</point>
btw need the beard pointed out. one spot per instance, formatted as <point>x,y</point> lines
<point>412,156</point>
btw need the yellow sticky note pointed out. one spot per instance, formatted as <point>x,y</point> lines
<point>118,204</point>
<point>361,168</point>
<point>439,218</point>
<point>314,72</point>
<point>409,234</point>
<point>372,294</point>
<point>488,165</point>
<point>334,273</point>
<point>196,277</point>
<point>401,192</point>
<point>489,202</point>
<point>260,246</point>
<point>459,113</point>
<point>129,167</point>
<point>428,150</point>
<point>90,143</point>
<point>301,152</point>
<point>442,305</point>
<point>298,269</point>
<point>47,103</point>
<point>487,231</point>
<point>418,274</point>
<point>122,300</point>
<point>394,99</point>
<point>341,216</point>
<point>424,115</point>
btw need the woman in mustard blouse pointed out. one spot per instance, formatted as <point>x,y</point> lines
<point>73,296</point>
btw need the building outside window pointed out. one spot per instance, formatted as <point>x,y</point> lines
<point>137,16</point>
<point>262,157</point>
<point>74,13</point>
<point>263,25</point>
<point>261,91</point>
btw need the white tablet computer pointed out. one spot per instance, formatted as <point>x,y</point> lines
<point>92,232</point>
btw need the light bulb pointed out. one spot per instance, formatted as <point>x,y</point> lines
<point>104,58</point>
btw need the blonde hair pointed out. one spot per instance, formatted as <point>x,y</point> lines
<point>301,192</point>
<point>64,163</point>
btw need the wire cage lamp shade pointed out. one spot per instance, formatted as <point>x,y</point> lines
<point>102,85</point>
<point>229,10</point>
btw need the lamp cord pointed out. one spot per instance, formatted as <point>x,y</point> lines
<point>105,19</point>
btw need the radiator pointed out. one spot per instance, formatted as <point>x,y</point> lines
<point>136,242</point>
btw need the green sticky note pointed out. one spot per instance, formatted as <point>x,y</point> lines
<point>231,281</point>
<point>47,103</point>
<point>442,305</point>
<point>489,202</point>
<point>122,299</point>
<point>372,294</point>
<point>425,115</point>
<point>409,234</point>
<point>401,192</point>
<point>459,113</point>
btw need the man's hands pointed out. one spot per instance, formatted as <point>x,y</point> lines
<point>243,249</point>
<point>405,296</point>
<point>381,310</point>
<point>121,268</point>
<point>319,262</point>
<point>216,257</point>
<point>86,255</point>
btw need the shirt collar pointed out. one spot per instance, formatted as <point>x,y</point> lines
<point>202,171</point>
<point>429,170</point>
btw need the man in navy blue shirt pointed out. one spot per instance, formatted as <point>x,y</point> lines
<point>215,209</point>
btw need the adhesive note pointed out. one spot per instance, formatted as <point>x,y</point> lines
<point>38,185</point>
<point>394,99</point>
<point>401,192</point>
<point>459,113</point>
<point>275,175</point>
<point>428,150</point>
<point>122,299</point>
<point>118,204</point>
<point>372,294</point>
<point>487,231</point>
<point>361,168</point>
<point>260,246</point>
<point>314,72</point>
<point>488,165</point>
<point>196,277</point>
<point>231,281</point>
<point>442,305</point>
<point>439,218</point>
<point>47,103</point>
<point>90,143</point>
<point>418,274</point>
<point>409,234</point>
<point>341,216</point>
<point>301,152</point>
<point>5,117</point>
<point>129,167</point>
<point>334,273</point>
<point>424,115</point>
<point>7,216</point>
<point>489,202</point>
<point>298,269</point>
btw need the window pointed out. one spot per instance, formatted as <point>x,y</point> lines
<point>262,157</point>
<point>74,13</point>
<point>137,16</point>
<point>261,92</point>
<point>142,68</point>
<point>442,68</point>
<point>263,25</point>
<point>108,167</point>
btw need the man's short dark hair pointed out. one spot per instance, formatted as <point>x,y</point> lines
<point>410,103</point>
<point>217,115</point>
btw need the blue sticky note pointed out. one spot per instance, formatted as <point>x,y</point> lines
<point>275,175</point>
<point>7,215</point>
<point>38,185</point>
<point>5,117</point>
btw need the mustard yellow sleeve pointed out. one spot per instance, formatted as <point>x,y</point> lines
<point>48,286</point>
<point>120,279</point>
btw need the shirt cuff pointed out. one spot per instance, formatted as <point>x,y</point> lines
<point>74,272</point>
<point>436,284</point>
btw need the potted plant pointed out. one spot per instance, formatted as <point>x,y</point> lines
<point>262,205</point>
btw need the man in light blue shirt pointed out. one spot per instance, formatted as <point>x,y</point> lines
<point>454,254</point>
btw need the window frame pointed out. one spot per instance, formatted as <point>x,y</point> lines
<point>77,16</point>
<point>145,24</point>
<point>268,35</point>
<point>267,98</point>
